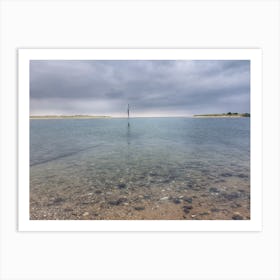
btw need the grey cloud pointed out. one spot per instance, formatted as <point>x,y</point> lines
<point>167,87</point>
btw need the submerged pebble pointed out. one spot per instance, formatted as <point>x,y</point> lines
<point>176,200</point>
<point>231,196</point>
<point>242,176</point>
<point>215,210</point>
<point>117,202</point>
<point>121,186</point>
<point>58,200</point>
<point>213,190</point>
<point>237,217</point>
<point>188,199</point>
<point>139,208</point>
<point>187,209</point>
<point>226,174</point>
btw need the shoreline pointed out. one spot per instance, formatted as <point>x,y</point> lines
<point>49,117</point>
<point>67,117</point>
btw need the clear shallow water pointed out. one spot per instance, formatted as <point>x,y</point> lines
<point>153,169</point>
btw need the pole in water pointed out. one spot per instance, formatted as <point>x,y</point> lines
<point>127,114</point>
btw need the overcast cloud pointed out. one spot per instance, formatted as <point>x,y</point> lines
<point>152,88</point>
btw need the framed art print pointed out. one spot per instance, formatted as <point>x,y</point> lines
<point>140,139</point>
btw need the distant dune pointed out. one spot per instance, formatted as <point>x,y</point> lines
<point>69,117</point>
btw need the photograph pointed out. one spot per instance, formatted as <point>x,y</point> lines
<point>139,139</point>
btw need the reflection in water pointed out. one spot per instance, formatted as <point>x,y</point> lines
<point>128,134</point>
<point>128,137</point>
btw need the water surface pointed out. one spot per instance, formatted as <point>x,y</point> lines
<point>155,168</point>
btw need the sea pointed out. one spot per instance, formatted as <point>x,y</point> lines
<point>144,168</point>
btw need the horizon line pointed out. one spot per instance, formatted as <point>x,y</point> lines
<point>112,117</point>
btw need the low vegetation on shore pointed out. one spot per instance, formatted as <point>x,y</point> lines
<point>224,115</point>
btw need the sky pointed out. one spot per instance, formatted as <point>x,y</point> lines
<point>153,88</point>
